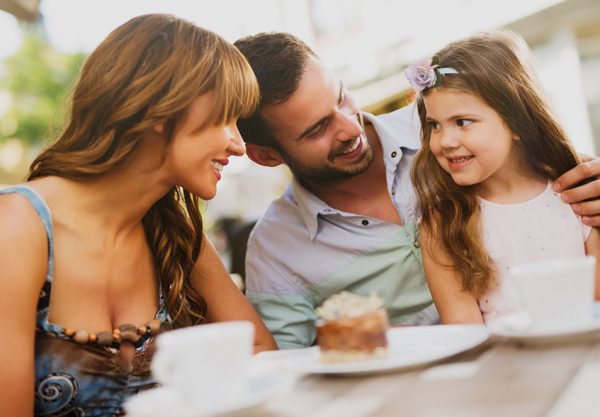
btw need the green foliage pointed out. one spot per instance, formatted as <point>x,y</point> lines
<point>39,80</point>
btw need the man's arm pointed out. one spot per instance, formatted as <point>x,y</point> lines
<point>285,307</point>
<point>225,301</point>
<point>584,199</point>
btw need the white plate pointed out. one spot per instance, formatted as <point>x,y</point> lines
<point>166,401</point>
<point>409,347</point>
<point>548,336</point>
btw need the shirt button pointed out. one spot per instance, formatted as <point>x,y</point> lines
<point>365,222</point>
<point>417,243</point>
<point>393,191</point>
<point>394,154</point>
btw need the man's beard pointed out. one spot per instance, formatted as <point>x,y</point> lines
<point>329,173</point>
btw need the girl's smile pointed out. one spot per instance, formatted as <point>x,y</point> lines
<point>456,163</point>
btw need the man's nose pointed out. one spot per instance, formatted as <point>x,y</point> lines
<point>349,125</point>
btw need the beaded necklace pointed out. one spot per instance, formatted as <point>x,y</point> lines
<point>125,332</point>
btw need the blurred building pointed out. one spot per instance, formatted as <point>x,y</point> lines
<point>27,10</point>
<point>566,41</point>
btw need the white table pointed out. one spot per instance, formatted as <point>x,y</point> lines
<point>499,378</point>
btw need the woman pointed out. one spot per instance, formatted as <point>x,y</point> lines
<point>103,245</point>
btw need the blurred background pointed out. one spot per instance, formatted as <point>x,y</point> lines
<point>368,43</point>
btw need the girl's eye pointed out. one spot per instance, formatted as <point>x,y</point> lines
<point>463,122</point>
<point>434,125</point>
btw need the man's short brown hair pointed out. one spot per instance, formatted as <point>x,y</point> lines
<point>278,60</point>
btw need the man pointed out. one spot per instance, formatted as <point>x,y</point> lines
<point>347,220</point>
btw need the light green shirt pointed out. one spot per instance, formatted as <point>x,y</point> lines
<point>302,251</point>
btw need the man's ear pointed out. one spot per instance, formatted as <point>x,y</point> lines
<point>264,155</point>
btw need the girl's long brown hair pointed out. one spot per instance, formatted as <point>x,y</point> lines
<point>145,73</point>
<point>496,67</point>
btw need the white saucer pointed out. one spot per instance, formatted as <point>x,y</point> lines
<point>167,401</point>
<point>409,347</point>
<point>575,333</point>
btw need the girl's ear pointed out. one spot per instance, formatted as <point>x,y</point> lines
<point>159,128</point>
<point>264,155</point>
<point>516,137</point>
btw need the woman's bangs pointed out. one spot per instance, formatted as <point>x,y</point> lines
<point>237,89</point>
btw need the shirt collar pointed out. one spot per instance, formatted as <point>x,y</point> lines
<point>398,129</point>
<point>395,131</point>
<point>310,206</point>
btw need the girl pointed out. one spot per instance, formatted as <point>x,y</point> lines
<point>491,151</point>
<point>103,245</point>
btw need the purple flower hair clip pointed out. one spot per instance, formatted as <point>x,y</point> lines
<point>426,73</point>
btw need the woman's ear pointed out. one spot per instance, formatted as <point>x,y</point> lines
<point>159,128</point>
<point>264,155</point>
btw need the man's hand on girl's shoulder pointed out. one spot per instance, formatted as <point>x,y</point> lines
<point>581,187</point>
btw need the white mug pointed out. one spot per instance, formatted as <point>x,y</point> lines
<point>558,294</point>
<point>208,363</point>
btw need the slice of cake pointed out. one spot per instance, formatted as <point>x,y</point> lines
<point>352,328</point>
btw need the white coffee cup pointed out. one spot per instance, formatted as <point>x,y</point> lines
<point>558,294</point>
<point>208,363</point>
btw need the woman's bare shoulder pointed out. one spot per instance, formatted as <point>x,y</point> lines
<point>17,214</point>
<point>23,241</point>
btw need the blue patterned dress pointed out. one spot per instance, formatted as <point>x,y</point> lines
<point>74,379</point>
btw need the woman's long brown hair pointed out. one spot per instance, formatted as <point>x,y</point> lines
<point>496,67</point>
<point>145,73</point>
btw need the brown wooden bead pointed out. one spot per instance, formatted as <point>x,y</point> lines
<point>127,327</point>
<point>130,335</point>
<point>117,330</point>
<point>117,337</point>
<point>93,338</point>
<point>69,332</point>
<point>154,326</point>
<point>105,338</point>
<point>142,330</point>
<point>81,336</point>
